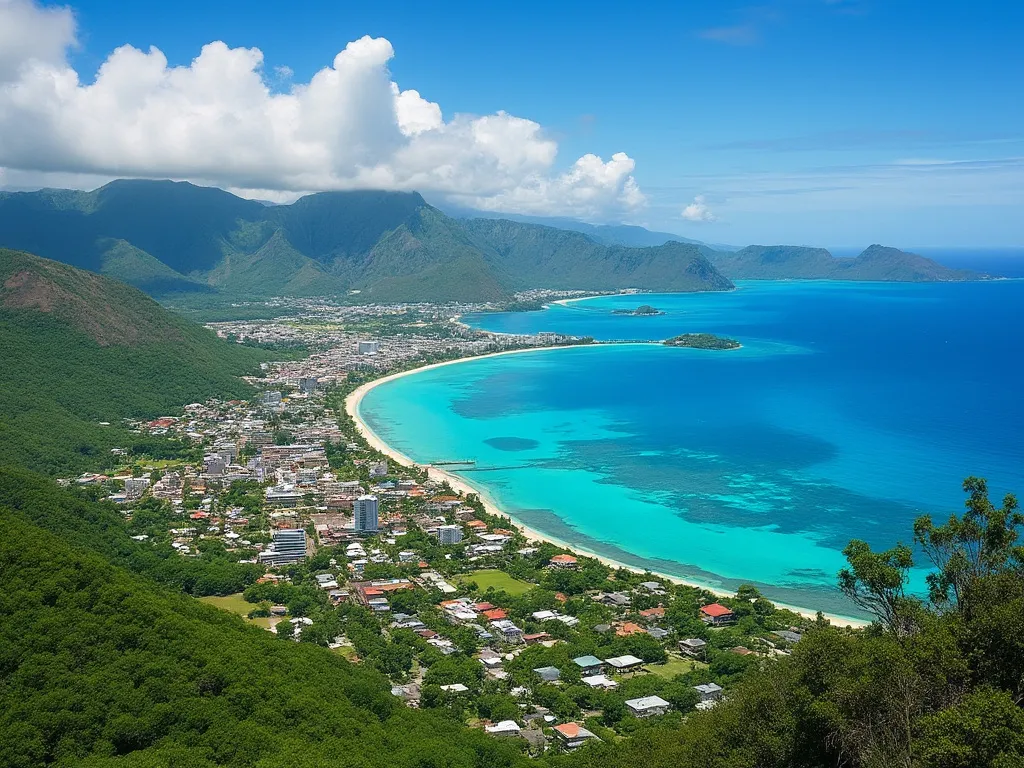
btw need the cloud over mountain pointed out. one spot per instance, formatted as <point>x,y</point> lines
<point>220,121</point>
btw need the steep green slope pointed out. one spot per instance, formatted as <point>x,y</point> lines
<point>100,666</point>
<point>180,224</point>
<point>275,268</point>
<point>344,225</point>
<point>79,349</point>
<point>122,261</point>
<point>432,258</point>
<point>540,256</point>
<point>791,262</point>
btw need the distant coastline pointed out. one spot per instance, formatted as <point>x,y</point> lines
<point>355,398</point>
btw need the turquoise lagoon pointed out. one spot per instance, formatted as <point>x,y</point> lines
<point>850,410</point>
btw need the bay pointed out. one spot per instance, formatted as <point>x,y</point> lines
<point>851,409</point>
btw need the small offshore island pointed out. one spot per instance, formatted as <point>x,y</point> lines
<point>702,341</point>
<point>644,310</point>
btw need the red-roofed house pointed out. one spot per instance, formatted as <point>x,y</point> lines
<point>653,613</point>
<point>496,614</point>
<point>563,561</point>
<point>629,628</point>
<point>716,615</point>
<point>483,606</point>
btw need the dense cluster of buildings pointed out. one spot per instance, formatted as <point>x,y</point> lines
<point>282,449</point>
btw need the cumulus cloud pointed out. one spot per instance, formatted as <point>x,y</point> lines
<point>220,121</point>
<point>29,33</point>
<point>698,211</point>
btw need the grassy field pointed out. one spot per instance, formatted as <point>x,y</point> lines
<point>676,665</point>
<point>234,603</point>
<point>497,579</point>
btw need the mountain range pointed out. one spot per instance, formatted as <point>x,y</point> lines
<point>790,262</point>
<point>166,237</point>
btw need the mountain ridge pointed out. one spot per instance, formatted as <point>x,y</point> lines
<point>168,237</point>
<point>876,262</point>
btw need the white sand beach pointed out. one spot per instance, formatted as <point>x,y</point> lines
<point>461,485</point>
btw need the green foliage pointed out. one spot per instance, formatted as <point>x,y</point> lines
<point>97,527</point>
<point>80,349</point>
<point>875,580</point>
<point>702,341</point>
<point>99,666</point>
<point>986,729</point>
<point>981,543</point>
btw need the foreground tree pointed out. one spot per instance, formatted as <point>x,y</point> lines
<point>966,549</point>
<point>876,582</point>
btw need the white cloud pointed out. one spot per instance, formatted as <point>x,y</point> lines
<point>29,33</point>
<point>698,211</point>
<point>220,121</point>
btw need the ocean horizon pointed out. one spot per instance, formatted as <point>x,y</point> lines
<point>851,409</point>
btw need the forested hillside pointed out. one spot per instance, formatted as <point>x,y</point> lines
<point>80,349</point>
<point>104,661</point>
<point>102,665</point>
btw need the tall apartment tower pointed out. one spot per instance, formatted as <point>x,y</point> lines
<point>364,512</point>
<point>449,534</point>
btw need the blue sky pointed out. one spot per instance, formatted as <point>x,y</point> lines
<point>831,123</point>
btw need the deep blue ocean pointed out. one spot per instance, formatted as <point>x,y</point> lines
<point>851,409</point>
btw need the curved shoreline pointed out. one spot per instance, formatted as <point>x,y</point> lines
<point>353,400</point>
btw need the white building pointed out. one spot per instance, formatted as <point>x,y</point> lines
<point>504,728</point>
<point>289,546</point>
<point>709,691</point>
<point>449,534</point>
<point>364,513</point>
<point>368,347</point>
<point>648,706</point>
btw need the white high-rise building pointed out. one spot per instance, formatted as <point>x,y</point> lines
<point>364,513</point>
<point>289,546</point>
<point>449,534</point>
<point>368,347</point>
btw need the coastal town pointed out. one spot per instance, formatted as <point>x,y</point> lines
<point>405,568</point>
